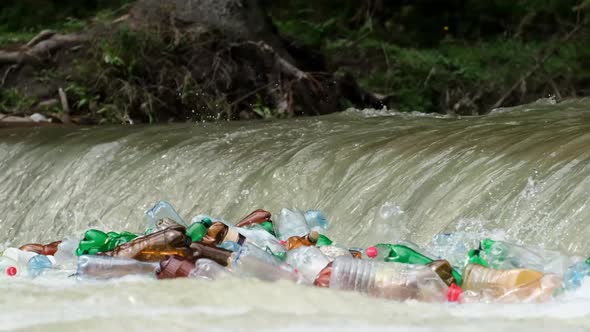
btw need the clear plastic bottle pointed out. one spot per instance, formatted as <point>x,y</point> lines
<point>251,261</point>
<point>332,252</point>
<point>21,257</point>
<point>161,211</point>
<point>261,238</point>
<point>209,270</point>
<point>291,222</point>
<point>9,267</point>
<point>504,255</point>
<point>39,265</point>
<point>575,275</point>
<point>66,257</point>
<point>515,285</point>
<point>393,281</point>
<point>309,261</point>
<point>106,267</point>
<point>316,220</point>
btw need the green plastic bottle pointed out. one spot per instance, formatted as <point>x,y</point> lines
<point>588,261</point>
<point>197,230</point>
<point>96,241</point>
<point>402,254</point>
<point>323,241</point>
<point>475,258</point>
<point>267,225</point>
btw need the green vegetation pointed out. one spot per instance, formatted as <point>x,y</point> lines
<point>448,56</point>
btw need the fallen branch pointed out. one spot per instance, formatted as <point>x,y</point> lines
<point>42,45</point>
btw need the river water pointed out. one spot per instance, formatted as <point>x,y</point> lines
<point>520,174</point>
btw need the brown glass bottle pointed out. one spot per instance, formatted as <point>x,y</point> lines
<point>295,242</point>
<point>219,232</point>
<point>175,267</point>
<point>154,247</point>
<point>444,270</point>
<point>41,249</point>
<point>256,217</point>
<point>219,255</point>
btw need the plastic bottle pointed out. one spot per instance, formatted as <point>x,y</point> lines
<point>42,249</point>
<point>504,255</point>
<point>21,257</point>
<point>9,267</point>
<point>219,232</point>
<point>333,251</point>
<point>155,246</point>
<point>575,275</point>
<point>197,230</point>
<point>105,267</point>
<point>252,261</point>
<point>309,261</point>
<point>66,257</point>
<point>256,217</point>
<point>178,267</point>
<point>39,265</point>
<point>323,241</point>
<point>316,220</point>
<point>399,253</point>
<point>291,222</point>
<point>202,251</point>
<point>209,270</point>
<point>159,213</point>
<point>295,242</point>
<point>388,280</point>
<point>514,285</point>
<point>174,267</point>
<point>267,226</point>
<point>95,241</point>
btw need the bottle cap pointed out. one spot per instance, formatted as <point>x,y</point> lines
<point>283,242</point>
<point>372,251</point>
<point>454,293</point>
<point>11,271</point>
<point>313,236</point>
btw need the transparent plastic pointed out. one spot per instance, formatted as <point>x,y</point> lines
<point>394,281</point>
<point>106,267</point>
<point>290,222</point>
<point>309,261</point>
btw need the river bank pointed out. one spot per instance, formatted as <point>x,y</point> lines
<point>105,64</point>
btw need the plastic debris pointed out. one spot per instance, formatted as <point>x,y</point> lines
<point>295,248</point>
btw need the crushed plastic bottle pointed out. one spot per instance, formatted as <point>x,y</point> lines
<point>256,217</point>
<point>503,255</point>
<point>41,249</point>
<point>254,262</point>
<point>333,251</point>
<point>155,246</point>
<point>39,265</point>
<point>309,261</point>
<point>295,242</point>
<point>159,213</point>
<point>106,267</point>
<point>209,270</point>
<point>575,275</point>
<point>291,222</point>
<point>316,221</point>
<point>95,241</point>
<point>393,281</point>
<point>65,256</point>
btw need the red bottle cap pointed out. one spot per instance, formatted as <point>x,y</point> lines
<point>454,293</point>
<point>11,271</point>
<point>372,252</point>
<point>283,242</point>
